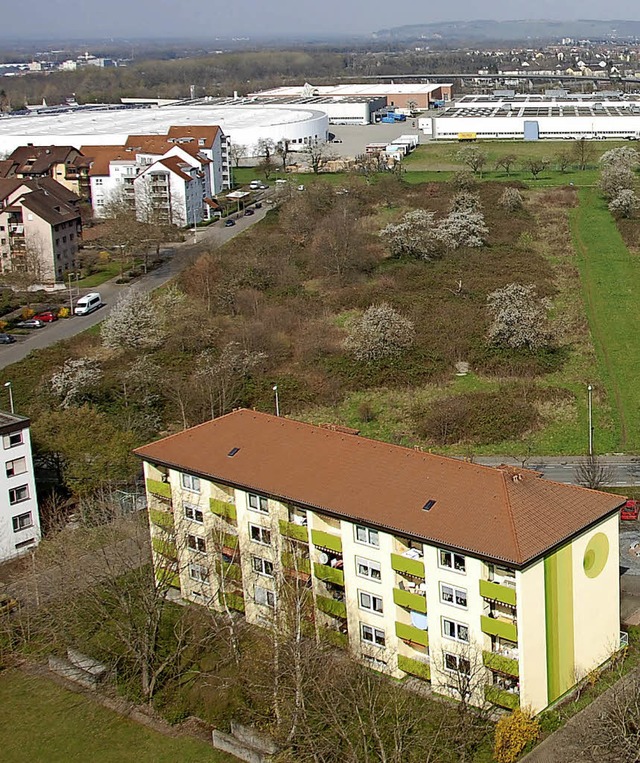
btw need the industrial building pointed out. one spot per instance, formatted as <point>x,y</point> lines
<point>555,115</point>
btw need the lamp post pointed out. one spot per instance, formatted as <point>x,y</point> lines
<point>275,389</point>
<point>8,386</point>
<point>590,391</point>
<point>70,297</point>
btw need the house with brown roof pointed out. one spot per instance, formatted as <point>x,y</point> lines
<point>419,564</point>
<point>64,164</point>
<point>171,190</point>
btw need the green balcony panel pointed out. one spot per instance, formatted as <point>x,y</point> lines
<point>291,530</point>
<point>498,592</point>
<point>326,540</point>
<point>415,667</point>
<point>335,638</point>
<point>230,571</point>
<point>331,606</point>
<point>232,600</point>
<point>227,540</point>
<point>407,566</point>
<point>167,577</point>
<point>162,519</point>
<point>410,600</point>
<point>502,698</point>
<point>330,574</point>
<point>156,487</point>
<point>164,548</point>
<point>412,634</point>
<point>223,509</point>
<point>501,663</point>
<point>500,628</point>
<point>297,563</point>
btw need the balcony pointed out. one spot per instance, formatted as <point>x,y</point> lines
<point>223,509</point>
<point>414,667</point>
<point>502,664</point>
<point>229,571</point>
<point>228,541</point>
<point>296,563</point>
<point>408,566</point>
<point>499,627</point>
<point>292,530</point>
<point>165,548</point>
<point>412,634</point>
<point>168,577</point>
<point>158,488</point>
<point>498,592</point>
<point>232,600</point>
<point>502,697</point>
<point>326,540</point>
<point>331,607</point>
<point>408,600</point>
<point>335,638</point>
<point>162,519</point>
<point>329,574</point>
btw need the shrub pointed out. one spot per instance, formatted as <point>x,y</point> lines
<point>511,200</point>
<point>63,312</point>
<point>463,201</point>
<point>519,317</point>
<point>513,733</point>
<point>615,179</point>
<point>463,180</point>
<point>27,313</point>
<point>3,325</point>
<point>366,412</point>
<point>381,332</point>
<point>625,203</point>
<point>462,228</point>
<point>413,236</point>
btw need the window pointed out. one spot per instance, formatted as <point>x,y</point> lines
<point>260,534</point>
<point>370,602</point>
<point>265,597</point>
<point>191,512</point>
<point>371,635</point>
<point>196,543</point>
<point>258,503</point>
<point>11,440</point>
<point>17,466</point>
<point>367,535</point>
<point>98,181</point>
<point>451,595</point>
<point>262,566</point>
<point>451,561</point>
<point>25,543</point>
<point>365,568</point>
<point>18,494</point>
<point>456,631</point>
<point>199,572</point>
<point>22,521</point>
<point>456,663</point>
<point>189,482</point>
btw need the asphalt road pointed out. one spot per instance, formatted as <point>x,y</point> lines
<point>624,470</point>
<point>178,257</point>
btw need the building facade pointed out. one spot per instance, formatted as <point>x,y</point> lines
<point>419,565</point>
<point>19,517</point>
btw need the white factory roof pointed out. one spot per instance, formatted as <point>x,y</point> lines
<point>367,89</point>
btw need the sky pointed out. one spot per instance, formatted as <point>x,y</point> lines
<point>101,19</point>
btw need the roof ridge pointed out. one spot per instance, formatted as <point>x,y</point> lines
<point>512,522</point>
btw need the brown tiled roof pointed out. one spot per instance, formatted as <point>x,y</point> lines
<point>101,156</point>
<point>160,144</point>
<point>9,186</point>
<point>7,168</point>
<point>38,160</point>
<point>49,208</point>
<point>207,133</point>
<point>513,516</point>
<point>53,188</point>
<point>175,164</point>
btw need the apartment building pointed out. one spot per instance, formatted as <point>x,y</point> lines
<point>420,565</point>
<point>19,517</point>
<point>64,164</point>
<point>172,190</point>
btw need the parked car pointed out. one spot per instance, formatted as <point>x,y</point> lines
<point>248,212</point>
<point>258,205</point>
<point>630,510</point>
<point>229,223</point>
<point>264,187</point>
<point>7,604</point>
<point>48,316</point>
<point>336,140</point>
<point>88,303</point>
<point>281,181</point>
<point>31,323</point>
<point>7,339</point>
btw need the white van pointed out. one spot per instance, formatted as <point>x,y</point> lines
<point>88,303</point>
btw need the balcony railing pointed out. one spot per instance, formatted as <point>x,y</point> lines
<point>497,592</point>
<point>161,489</point>
<point>336,638</point>
<point>330,574</point>
<point>502,697</point>
<point>502,664</point>
<point>407,566</point>
<point>412,634</point>
<point>167,577</point>
<point>232,600</point>
<point>327,540</point>
<point>162,519</point>
<point>498,627</point>
<point>408,600</point>
<point>331,607</point>
<point>415,667</point>
<point>229,571</point>
<point>297,563</point>
<point>223,509</point>
<point>165,548</point>
<point>292,530</point>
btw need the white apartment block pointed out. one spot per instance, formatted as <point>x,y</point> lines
<point>19,518</point>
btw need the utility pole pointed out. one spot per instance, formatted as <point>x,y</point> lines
<point>275,390</point>
<point>590,391</point>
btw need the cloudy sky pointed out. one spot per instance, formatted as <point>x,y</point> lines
<point>211,18</point>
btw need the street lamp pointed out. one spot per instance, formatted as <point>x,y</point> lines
<point>8,386</point>
<point>70,297</point>
<point>590,391</point>
<point>275,389</point>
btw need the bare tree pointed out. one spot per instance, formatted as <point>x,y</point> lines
<point>592,472</point>
<point>237,151</point>
<point>563,159</point>
<point>506,162</point>
<point>283,151</point>
<point>583,153</point>
<point>536,165</point>
<point>473,158</point>
<point>318,155</point>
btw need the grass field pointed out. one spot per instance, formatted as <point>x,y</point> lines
<point>64,727</point>
<point>105,273</point>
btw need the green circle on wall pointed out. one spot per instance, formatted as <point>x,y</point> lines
<point>596,555</point>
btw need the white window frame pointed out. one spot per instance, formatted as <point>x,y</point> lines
<point>191,513</point>
<point>455,663</point>
<point>190,482</point>
<point>367,568</point>
<point>370,602</point>
<point>372,537</point>
<point>261,531</point>
<point>262,566</point>
<point>199,572</point>
<point>257,503</point>
<point>196,543</point>
<point>372,635</point>
<point>458,629</point>
<point>12,440</point>
<point>450,560</point>
<point>15,492</point>
<point>456,594</point>
<point>12,466</point>
<point>264,597</point>
<point>18,519</point>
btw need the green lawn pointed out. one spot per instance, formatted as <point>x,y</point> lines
<point>107,271</point>
<point>43,722</point>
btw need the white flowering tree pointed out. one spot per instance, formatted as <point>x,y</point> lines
<point>379,333</point>
<point>77,378</point>
<point>511,200</point>
<point>625,203</point>
<point>623,156</point>
<point>464,201</point>
<point>134,323</point>
<point>519,317</point>
<point>462,228</point>
<point>414,236</point>
<point>614,179</point>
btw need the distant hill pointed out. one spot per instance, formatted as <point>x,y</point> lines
<point>486,30</point>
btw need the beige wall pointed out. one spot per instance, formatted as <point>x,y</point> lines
<point>532,640</point>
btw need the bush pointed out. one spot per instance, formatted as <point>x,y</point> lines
<point>511,200</point>
<point>366,412</point>
<point>63,312</point>
<point>381,332</point>
<point>27,313</point>
<point>625,203</point>
<point>513,733</point>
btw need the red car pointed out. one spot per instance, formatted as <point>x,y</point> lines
<point>630,510</point>
<point>48,316</point>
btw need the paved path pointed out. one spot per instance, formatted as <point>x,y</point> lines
<point>178,258</point>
